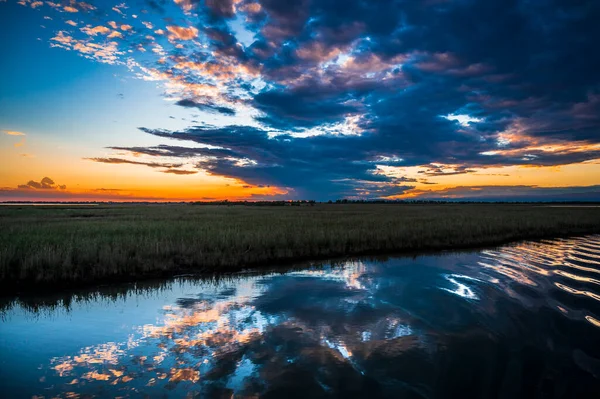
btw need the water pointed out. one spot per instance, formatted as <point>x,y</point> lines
<point>518,321</point>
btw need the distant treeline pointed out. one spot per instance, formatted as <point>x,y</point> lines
<point>380,201</point>
<point>301,202</point>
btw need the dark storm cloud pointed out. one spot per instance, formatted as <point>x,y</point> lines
<point>221,8</point>
<point>498,59</point>
<point>510,63</point>
<point>292,110</point>
<point>313,167</point>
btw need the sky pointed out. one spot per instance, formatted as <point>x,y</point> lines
<point>201,100</point>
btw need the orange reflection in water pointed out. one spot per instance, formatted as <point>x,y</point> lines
<point>206,338</point>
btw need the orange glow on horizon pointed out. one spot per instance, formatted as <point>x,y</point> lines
<point>86,180</point>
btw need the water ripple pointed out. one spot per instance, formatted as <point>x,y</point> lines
<point>541,264</point>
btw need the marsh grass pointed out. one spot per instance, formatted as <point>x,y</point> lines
<point>62,246</point>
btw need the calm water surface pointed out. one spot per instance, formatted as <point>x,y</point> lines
<point>518,321</point>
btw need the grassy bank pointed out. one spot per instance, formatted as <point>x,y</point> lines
<point>61,246</point>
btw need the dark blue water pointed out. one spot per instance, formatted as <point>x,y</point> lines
<point>521,321</point>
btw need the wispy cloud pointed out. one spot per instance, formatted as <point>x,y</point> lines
<point>13,133</point>
<point>127,161</point>
<point>180,172</point>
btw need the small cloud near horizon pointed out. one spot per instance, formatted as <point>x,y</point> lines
<point>48,190</point>
<point>45,184</point>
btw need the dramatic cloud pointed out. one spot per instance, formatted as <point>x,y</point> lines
<point>307,165</point>
<point>321,96</point>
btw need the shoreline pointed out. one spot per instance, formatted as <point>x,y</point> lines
<point>14,291</point>
<point>54,249</point>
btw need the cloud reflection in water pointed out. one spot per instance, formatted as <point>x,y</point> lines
<point>510,321</point>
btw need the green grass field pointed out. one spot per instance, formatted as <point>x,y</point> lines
<point>61,246</point>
